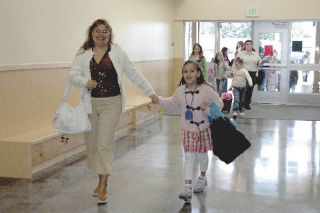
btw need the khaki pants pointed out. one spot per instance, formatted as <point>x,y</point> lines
<point>100,140</point>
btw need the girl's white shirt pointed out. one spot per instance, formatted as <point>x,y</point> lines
<point>240,77</point>
<point>80,74</point>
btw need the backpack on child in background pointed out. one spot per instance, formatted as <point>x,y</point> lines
<point>227,101</point>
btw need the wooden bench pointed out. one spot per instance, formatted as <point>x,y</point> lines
<point>30,97</point>
<point>28,154</point>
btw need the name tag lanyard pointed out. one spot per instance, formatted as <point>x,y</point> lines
<point>188,114</point>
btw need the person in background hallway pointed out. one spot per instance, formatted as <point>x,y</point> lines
<point>251,60</point>
<point>220,72</point>
<point>224,52</point>
<point>197,55</point>
<point>235,56</point>
<point>240,46</point>
<point>211,77</point>
<point>293,79</point>
<point>239,77</point>
<point>305,60</point>
<point>99,66</point>
<point>193,96</point>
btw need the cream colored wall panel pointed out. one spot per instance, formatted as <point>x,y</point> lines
<point>32,32</point>
<point>236,10</point>
<point>178,39</point>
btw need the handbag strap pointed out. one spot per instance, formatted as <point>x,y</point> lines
<point>67,91</point>
<point>214,109</point>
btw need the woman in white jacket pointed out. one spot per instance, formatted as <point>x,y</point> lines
<point>98,70</point>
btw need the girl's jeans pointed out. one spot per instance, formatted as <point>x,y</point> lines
<point>220,84</point>
<point>239,97</point>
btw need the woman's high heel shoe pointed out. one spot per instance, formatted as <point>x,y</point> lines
<point>102,198</point>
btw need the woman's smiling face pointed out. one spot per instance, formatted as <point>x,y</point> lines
<point>101,35</point>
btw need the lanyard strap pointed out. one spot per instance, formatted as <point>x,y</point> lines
<point>185,95</point>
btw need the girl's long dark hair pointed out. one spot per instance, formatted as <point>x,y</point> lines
<point>223,50</point>
<point>200,80</point>
<point>89,43</point>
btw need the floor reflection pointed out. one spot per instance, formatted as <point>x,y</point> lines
<point>283,160</point>
<point>279,173</point>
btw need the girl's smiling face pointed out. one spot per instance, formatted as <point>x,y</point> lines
<point>190,75</point>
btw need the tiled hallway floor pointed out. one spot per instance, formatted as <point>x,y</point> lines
<point>279,173</point>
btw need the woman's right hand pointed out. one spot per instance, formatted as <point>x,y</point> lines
<point>154,99</point>
<point>91,84</point>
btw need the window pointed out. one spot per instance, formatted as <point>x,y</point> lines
<point>202,33</point>
<point>207,39</point>
<point>303,42</point>
<point>188,42</point>
<point>231,33</point>
<point>303,52</point>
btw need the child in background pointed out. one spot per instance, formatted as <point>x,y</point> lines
<point>211,78</point>
<point>272,80</point>
<point>239,77</point>
<point>193,96</point>
<point>220,69</point>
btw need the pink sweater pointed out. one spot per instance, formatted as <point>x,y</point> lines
<point>206,94</point>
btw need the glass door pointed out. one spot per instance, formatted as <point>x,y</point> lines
<point>303,67</point>
<point>271,38</point>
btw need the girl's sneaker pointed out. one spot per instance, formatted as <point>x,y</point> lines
<point>201,184</point>
<point>186,195</point>
<point>241,114</point>
<point>235,115</point>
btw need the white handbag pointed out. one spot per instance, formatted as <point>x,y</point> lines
<point>71,120</point>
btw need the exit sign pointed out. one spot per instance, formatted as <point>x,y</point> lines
<point>252,12</point>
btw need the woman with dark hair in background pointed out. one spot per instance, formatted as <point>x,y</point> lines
<point>197,55</point>
<point>251,61</point>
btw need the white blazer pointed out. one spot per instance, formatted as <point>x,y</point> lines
<point>80,74</point>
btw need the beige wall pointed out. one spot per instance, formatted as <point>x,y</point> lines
<point>236,10</point>
<point>39,39</point>
<point>38,31</point>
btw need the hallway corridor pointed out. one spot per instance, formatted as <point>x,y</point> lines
<point>279,173</point>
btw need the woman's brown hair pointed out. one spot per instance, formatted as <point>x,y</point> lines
<point>89,43</point>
